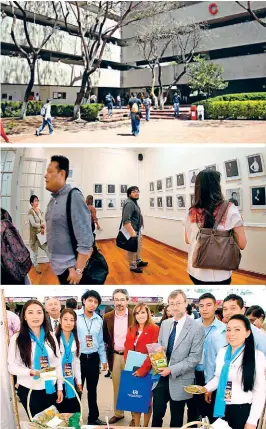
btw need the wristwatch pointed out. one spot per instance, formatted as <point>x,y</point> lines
<point>79,271</point>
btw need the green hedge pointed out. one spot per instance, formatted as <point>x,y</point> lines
<point>234,109</point>
<point>89,112</point>
<point>245,96</point>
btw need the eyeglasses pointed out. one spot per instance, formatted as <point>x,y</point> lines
<point>177,304</point>
<point>119,300</point>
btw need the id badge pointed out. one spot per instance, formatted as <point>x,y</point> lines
<point>68,370</point>
<point>228,392</point>
<point>44,362</point>
<point>89,341</point>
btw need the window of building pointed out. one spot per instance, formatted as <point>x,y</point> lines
<point>59,95</point>
<point>4,96</point>
<point>6,171</point>
<point>10,97</point>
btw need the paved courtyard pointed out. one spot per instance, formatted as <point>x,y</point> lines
<point>157,131</point>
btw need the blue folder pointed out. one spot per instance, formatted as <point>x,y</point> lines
<point>134,393</point>
<point>137,359</point>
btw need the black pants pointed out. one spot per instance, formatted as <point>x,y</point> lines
<point>161,396</point>
<point>39,399</point>
<point>68,405</point>
<point>200,407</point>
<point>237,415</point>
<point>63,279</point>
<point>199,282</point>
<point>90,369</point>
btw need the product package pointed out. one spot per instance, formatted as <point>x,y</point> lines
<point>50,418</point>
<point>157,356</point>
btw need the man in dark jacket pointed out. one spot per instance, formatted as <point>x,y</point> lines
<point>176,102</point>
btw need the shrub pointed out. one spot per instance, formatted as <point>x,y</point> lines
<point>89,112</point>
<point>234,109</point>
<point>246,96</point>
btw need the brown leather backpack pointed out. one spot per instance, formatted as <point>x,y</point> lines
<point>216,250</point>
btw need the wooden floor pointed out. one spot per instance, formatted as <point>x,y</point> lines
<point>166,266</point>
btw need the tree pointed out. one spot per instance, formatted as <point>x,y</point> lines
<point>205,77</point>
<point>251,12</point>
<point>31,54</point>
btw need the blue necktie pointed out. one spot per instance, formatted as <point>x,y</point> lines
<point>171,342</point>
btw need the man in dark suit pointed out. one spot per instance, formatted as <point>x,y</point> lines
<point>115,326</point>
<point>52,307</point>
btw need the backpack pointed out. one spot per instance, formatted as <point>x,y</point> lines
<point>43,111</point>
<point>135,108</point>
<point>15,257</point>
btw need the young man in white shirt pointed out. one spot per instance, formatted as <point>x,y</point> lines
<point>53,307</point>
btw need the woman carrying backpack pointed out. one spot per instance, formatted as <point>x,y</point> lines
<point>202,214</point>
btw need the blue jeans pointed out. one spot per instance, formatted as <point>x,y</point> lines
<point>135,123</point>
<point>176,107</point>
<point>119,105</point>
<point>148,114</point>
<point>48,122</point>
<point>110,109</point>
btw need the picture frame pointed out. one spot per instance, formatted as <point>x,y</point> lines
<point>192,175</point>
<point>191,199</point>
<point>160,202</point>
<point>258,199</point>
<point>98,203</point>
<point>98,188</point>
<point>152,203</point>
<point>111,204</point>
<point>256,166</point>
<point>159,185</point>
<point>232,170</point>
<point>152,187</point>
<point>123,189</point>
<point>110,189</point>
<point>211,167</point>
<point>180,180</point>
<point>122,202</point>
<point>169,183</point>
<point>181,201</point>
<point>70,175</point>
<point>234,195</point>
<point>169,202</point>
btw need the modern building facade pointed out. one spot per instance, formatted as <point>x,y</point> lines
<point>235,41</point>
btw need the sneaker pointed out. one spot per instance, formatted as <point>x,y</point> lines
<point>142,264</point>
<point>37,132</point>
<point>108,374</point>
<point>136,270</point>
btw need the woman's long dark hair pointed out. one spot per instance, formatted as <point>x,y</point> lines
<point>24,339</point>
<point>165,314</point>
<point>248,363</point>
<point>74,330</point>
<point>208,195</point>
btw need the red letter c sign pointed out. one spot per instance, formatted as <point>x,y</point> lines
<point>213,9</point>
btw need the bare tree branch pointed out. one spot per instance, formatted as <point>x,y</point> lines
<point>251,12</point>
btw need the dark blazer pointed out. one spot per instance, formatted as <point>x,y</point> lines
<point>149,335</point>
<point>108,334</point>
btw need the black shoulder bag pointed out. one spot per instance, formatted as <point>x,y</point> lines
<point>131,245</point>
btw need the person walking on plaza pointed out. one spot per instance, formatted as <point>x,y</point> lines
<point>37,226</point>
<point>132,221</point>
<point>3,134</point>
<point>109,100</point>
<point>118,102</point>
<point>176,103</point>
<point>67,338</point>
<point>239,377</point>
<point>115,326</point>
<point>47,118</point>
<point>92,349</point>
<point>67,264</point>
<point>52,307</point>
<point>182,338</point>
<point>134,104</point>
<point>208,201</point>
<point>147,105</point>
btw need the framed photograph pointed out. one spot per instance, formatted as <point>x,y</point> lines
<point>70,174</point>
<point>232,170</point>
<point>211,167</point>
<point>152,203</point>
<point>191,198</point>
<point>111,204</point>
<point>180,180</point>
<point>151,186</point>
<point>192,174</point>
<point>169,201</point>
<point>123,189</point>
<point>159,185</point>
<point>98,188</point>
<point>122,202</point>
<point>98,203</point>
<point>169,183</point>
<point>181,201</point>
<point>110,189</point>
<point>256,165</point>
<point>258,197</point>
<point>160,202</point>
<point>234,195</point>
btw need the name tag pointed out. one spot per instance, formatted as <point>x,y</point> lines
<point>44,362</point>
<point>228,392</point>
<point>68,370</point>
<point>89,341</point>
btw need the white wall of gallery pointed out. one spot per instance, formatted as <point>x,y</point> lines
<point>90,166</point>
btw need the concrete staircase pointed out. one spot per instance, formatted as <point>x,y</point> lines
<point>123,114</point>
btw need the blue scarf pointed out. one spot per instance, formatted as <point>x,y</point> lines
<point>40,350</point>
<point>67,358</point>
<point>219,408</point>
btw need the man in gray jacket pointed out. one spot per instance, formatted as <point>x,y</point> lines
<point>182,338</point>
<point>67,263</point>
<point>132,221</point>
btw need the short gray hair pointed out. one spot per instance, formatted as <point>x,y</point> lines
<point>176,292</point>
<point>123,291</point>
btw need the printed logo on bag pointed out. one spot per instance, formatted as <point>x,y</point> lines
<point>135,394</point>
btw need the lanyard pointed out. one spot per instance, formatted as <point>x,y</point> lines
<point>208,332</point>
<point>89,330</point>
<point>242,351</point>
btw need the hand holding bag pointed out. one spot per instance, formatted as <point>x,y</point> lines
<point>216,250</point>
<point>131,244</point>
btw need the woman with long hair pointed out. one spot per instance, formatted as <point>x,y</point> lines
<point>256,316</point>
<point>208,200</point>
<point>239,377</point>
<point>143,331</point>
<point>32,349</point>
<point>67,338</point>
<point>166,314</point>
<point>37,226</point>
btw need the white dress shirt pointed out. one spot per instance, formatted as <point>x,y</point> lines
<point>18,368</point>
<point>179,327</point>
<point>52,320</point>
<point>75,360</point>
<point>256,397</point>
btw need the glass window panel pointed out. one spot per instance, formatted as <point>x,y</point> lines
<point>24,206</point>
<point>39,167</point>
<point>39,180</point>
<point>26,165</point>
<point>10,159</point>
<point>24,179</point>
<point>3,158</point>
<point>32,168</point>
<point>6,203</point>
<point>6,184</point>
<point>30,181</point>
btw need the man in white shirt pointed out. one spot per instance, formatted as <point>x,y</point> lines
<point>53,307</point>
<point>182,338</point>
